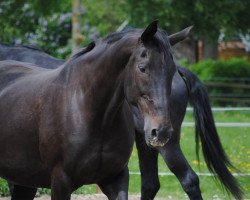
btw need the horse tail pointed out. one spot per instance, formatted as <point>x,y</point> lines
<point>205,131</point>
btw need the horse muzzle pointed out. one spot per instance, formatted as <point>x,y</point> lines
<point>159,137</point>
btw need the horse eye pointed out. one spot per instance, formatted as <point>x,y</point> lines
<point>142,68</point>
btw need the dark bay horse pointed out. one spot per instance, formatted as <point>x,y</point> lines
<point>185,87</point>
<point>30,54</point>
<point>73,125</point>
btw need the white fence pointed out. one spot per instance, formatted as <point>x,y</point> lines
<point>223,124</point>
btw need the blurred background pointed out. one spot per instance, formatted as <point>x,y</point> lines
<point>218,51</point>
<point>221,31</point>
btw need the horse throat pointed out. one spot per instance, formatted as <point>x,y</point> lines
<point>115,103</point>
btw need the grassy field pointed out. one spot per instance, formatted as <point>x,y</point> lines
<point>236,142</point>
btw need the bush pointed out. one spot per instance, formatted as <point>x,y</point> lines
<point>227,81</point>
<point>222,69</point>
<point>4,189</point>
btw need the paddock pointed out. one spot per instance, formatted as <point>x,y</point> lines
<point>234,129</point>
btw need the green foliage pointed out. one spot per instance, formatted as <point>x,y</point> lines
<point>46,24</point>
<point>103,16</point>
<point>143,12</point>
<point>211,69</point>
<point>22,21</point>
<point>53,34</point>
<point>208,17</point>
<point>226,81</point>
<point>4,189</point>
<point>13,20</point>
<point>42,191</point>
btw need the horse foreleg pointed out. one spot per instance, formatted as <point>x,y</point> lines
<point>22,193</point>
<point>177,163</point>
<point>61,187</point>
<point>117,188</point>
<point>148,168</point>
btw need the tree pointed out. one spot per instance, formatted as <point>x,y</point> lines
<point>46,24</point>
<point>77,36</point>
<point>208,17</point>
<point>104,16</point>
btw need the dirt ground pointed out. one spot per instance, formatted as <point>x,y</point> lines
<point>88,197</point>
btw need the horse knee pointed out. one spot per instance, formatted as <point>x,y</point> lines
<point>149,189</point>
<point>191,186</point>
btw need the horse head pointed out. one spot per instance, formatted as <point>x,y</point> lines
<point>149,80</point>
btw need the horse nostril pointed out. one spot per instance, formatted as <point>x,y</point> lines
<point>154,133</point>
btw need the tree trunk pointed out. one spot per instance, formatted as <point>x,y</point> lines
<point>77,37</point>
<point>187,50</point>
<point>210,49</point>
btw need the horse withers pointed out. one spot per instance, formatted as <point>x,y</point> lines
<point>73,125</point>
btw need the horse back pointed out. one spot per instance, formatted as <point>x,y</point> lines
<point>29,54</point>
<point>11,71</point>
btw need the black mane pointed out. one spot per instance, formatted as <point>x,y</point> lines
<point>113,37</point>
<point>161,40</point>
<point>84,50</point>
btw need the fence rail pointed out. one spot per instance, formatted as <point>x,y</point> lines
<point>225,109</point>
<point>234,91</point>
<point>198,173</point>
<point>226,85</point>
<point>221,124</point>
<point>219,109</point>
<point>218,124</point>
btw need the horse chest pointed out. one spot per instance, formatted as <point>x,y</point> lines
<point>102,159</point>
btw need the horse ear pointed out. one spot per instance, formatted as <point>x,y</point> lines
<point>179,36</point>
<point>149,32</point>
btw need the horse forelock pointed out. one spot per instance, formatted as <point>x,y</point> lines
<point>165,47</point>
<point>163,42</point>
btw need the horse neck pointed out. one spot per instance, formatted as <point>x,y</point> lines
<point>98,75</point>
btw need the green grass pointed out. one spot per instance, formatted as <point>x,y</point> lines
<point>225,116</point>
<point>236,145</point>
<point>236,142</point>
